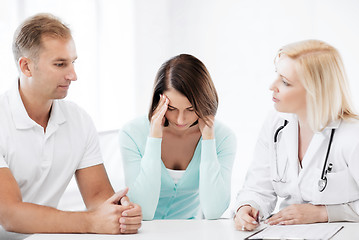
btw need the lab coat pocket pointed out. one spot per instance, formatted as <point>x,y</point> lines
<point>341,188</point>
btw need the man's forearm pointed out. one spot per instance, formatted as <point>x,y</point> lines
<point>32,218</point>
<point>97,199</point>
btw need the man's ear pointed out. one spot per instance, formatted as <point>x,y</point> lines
<point>24,65</point>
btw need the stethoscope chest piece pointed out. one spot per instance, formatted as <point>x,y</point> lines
<point>322,183</point>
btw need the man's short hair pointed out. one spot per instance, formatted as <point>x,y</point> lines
<point>28,36</point>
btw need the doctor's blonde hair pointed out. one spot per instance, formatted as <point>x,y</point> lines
<point>321,71</point>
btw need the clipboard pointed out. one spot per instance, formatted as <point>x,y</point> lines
<point>249,237</point>
<point>304,231</point>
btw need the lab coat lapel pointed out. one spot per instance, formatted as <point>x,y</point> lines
<point>290,140</point>
<point>319,139</point>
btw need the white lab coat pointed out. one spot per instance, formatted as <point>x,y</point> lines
<point>261,191</point>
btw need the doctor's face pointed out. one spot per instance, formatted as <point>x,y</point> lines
<point>180,113</point>
<point>289,95</point>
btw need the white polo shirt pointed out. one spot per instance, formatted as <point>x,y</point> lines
<point>43,163</point>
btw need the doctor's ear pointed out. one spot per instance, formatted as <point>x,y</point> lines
<point>24,65</point>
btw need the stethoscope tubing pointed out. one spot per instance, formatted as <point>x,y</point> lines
<point>278,130</point>
<point>324,170</point>
<point>327,155</point>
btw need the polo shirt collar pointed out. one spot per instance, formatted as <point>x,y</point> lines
<point>57,116</point>
<point>21,118</point>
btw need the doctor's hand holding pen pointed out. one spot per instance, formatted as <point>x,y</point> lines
<point>299,214</point>
<point>158,117</point>
<point>246,218</point>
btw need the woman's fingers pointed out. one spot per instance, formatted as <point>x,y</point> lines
<point>160,104</point>
<point>249,222</point>
<point>163,104</point>
<point>245,219</point>
<point>206,126</point>
<point>160,113</point>
<point>158,117</point>
<point>210,121</point>
<point>299,214</point>
<point>243,223</point>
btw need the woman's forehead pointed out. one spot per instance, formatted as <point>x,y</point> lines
<point>177,99</point>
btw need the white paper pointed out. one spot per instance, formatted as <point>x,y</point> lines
<point>305,231</point>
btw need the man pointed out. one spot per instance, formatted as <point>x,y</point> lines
<point>45,140</point>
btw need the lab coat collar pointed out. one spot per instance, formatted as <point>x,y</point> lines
<point>292,117</point>
<point>288,116</point>
<point>19,114</point>
<point>334,124</point>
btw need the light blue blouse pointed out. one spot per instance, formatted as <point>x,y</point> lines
<point>206,183</point>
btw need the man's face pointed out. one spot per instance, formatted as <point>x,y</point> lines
<point>53,70</point>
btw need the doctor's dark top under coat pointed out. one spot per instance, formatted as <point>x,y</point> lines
<point>205,185</point>
<point>341,195</point>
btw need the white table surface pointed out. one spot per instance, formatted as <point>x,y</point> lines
<point>188,229</point>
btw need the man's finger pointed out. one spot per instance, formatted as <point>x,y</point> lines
<point>131,220</point>
<point>135,211</point>
<point>130,227</point>
<point>124,231</point>
<point>117,196</point>
<point>125,201</point>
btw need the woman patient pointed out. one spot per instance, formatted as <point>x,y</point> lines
<point>178,160</point>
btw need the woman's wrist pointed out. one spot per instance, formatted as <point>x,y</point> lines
<point>208,135</point>
<point>155,133</point>
<point>245,205</point>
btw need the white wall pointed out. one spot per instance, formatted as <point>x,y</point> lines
<point>237,40</point>
<point>121,45</point>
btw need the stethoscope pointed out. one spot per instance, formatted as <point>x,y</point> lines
<point>322,182</point>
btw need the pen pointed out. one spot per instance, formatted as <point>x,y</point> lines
<point>266,219</point>
<point>283,238</point>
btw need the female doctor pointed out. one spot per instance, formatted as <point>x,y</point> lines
<point>308,151</point>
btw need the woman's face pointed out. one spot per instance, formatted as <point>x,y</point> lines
<point>180,113</point>
<point>289,95</point>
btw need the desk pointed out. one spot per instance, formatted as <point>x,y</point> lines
<point>186,230</point>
